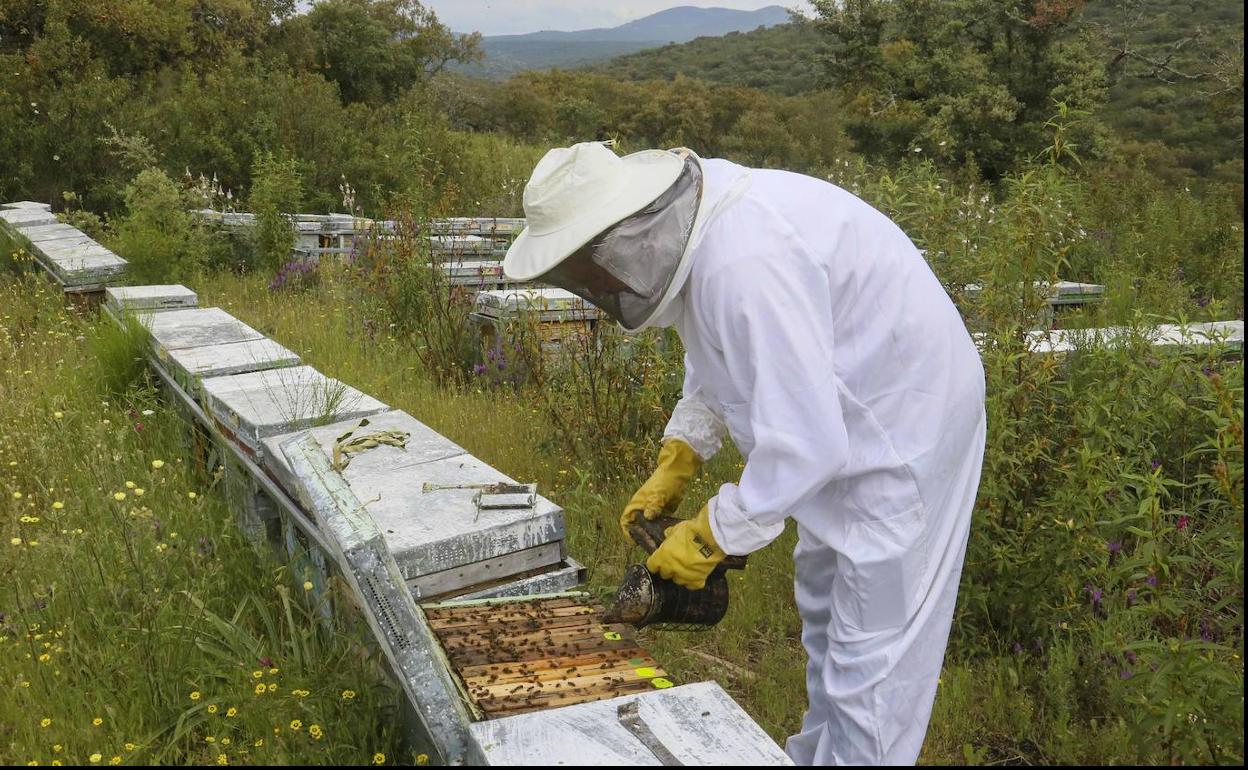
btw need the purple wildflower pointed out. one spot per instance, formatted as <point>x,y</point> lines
<point>1125,674</point>
<point>1130,656</point>
<point>1156,464</point>
<point>478,369</point>
<point>1206,633</point>
<point>1018,648</point>
<point>1130,597</point>
<point>1151,580</point>
<point>1114,546</point>
<point>1183,522</point>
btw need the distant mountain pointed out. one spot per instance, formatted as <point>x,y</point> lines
<point>784,58</point>
<point>507,54</point>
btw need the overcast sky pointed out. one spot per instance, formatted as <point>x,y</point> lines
<point>502,17</point>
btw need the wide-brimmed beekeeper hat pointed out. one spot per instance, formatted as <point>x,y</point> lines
<point>627,219</point>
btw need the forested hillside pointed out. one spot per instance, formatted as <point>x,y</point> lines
<point>1170,71</point>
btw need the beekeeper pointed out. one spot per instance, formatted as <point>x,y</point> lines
<point>818,338</point>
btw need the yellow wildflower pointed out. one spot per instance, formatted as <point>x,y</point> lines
<point>96,757</point>
<point>225,741</point>
<point>129,747</point>
<point>273,687</point>
<point>115,761</point>
<point>259,742</point>
<point>422,759</point>
<point>259,689</point>
<point>315,732</point>
<point>195,695</point>
<point>273,671</point>
<point>56,748</point>
<point>223,759</point>
<point>158,464</point>
<point>257,674</point>
<point>138,492</point>
<point>295,724</point>
<point>191,495</point>
<point>15,541</point>
<point>379,758</point>
<point>210,739</point>
<point>348,694</point>
<point>212,708</point>
<point>119,496</point>
<point>307,585</point>
<point>130,485</point>
<point>58,505</point>
<point>58,415</point>
<point>45,722</point>
<point>97,721</point>
<point>231,711</point>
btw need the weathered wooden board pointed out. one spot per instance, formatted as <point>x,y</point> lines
<point>80,265</point>
<point>423,445</point>
<point>195,327</point>
<point>440,540</point>
<point>698,723</point>
<point>256,405</point>
<point>21,218</point>
<point>56,232</point>
<point>431,531</point>
<point>1228,333</point>
<point>397,622</point>
<point>564,576</point>
<point>491,571</point>
<point>549,304</point>
<point>155,297</point>
<point>191,366</point>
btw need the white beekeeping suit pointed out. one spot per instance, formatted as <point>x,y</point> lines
<point>816,333</point>
<point>819,339</point>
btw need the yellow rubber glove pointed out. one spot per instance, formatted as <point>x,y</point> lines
<point>666,486</point>
<point>689,552</point>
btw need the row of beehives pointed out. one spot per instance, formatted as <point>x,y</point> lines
<point>257,393</point>
<point>77,262</point>
<point>472,239</point>
<point>252,395</point>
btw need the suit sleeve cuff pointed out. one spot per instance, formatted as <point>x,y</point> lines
<point>736,533</point>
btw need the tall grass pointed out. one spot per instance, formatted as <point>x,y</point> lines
<point>136,626</point>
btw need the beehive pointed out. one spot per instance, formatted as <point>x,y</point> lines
<point>253,406</point>
<point>163,297</point>
<point>521,655</point>
<point>423,501</point>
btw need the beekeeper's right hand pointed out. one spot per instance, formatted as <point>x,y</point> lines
<point>662,492</point>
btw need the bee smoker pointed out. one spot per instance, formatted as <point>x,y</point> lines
<point>645,599</point>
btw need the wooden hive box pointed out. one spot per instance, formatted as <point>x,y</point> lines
<point>80,265</point>
<point>195,327</point>
<point>189,367</point>
<point>253,406</point>
<point>61,233</point>
<point>442,543</point>
<point>18,219</point>
<point>153,298</point>
<point>697,724</point>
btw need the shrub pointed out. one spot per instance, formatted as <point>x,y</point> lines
<point>157,235</point>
